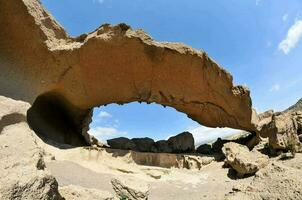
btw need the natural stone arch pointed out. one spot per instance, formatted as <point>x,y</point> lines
<point>113,64</point>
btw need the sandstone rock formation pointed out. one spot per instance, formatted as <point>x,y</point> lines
<point>22,168</point>
<point>130,189</point>
<point>282,128</point>
<point>72,192</point>
<point>243,160</point>
<point>113,64</point>
<point>276,181</point>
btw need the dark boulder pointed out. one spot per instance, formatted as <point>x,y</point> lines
<point>143,144</point>
<point>162,146</point>
<point>182,143</point>
<point>121,143</point>
<point>204,149</point>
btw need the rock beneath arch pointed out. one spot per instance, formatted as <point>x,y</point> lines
<point>113,64</point>
<point>121,143</point>
<point>144,144</point>
<point>182,143</point>
<point>244,161</point>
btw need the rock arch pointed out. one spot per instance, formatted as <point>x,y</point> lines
<point>113,64</point>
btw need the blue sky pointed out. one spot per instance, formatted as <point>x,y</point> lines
<point>258,41</point>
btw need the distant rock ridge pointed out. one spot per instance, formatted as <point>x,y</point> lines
<point>181,143</point>
<point>296,107</point>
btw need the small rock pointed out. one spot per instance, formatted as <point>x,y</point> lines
<point>130,189</point>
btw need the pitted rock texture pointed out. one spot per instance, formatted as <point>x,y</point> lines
<point>244,161</point>
<point>113,64</point>
<point>131,189</point>
<point>282,128</point>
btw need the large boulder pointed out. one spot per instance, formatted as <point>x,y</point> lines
<point>283,130</point>
<point>144,144</point>
<point>121,143</point>
<point>241,159</point>
<point>182,143</point>
<point>130,189</point>
<point>162,146</point>
<point>204,149</point>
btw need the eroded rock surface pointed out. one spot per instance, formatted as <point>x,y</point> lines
<point>275,182</point>
<point>282,128</point>
<point>113,64</point>
<point>130,189</point>
<point>241,159</point>
<point>22,168</point>
<point>72,192</point>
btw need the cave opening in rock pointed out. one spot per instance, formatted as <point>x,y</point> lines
<point>50,119</point>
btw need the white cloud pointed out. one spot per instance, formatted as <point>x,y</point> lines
<point>294,34</point>
<point>285,17</point>
<point>275,88</point>
<point>204,134</point>
<point>103,115</point>
<point>104,133</point>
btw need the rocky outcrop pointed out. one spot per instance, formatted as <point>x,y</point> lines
<point>282,128</point>
<point>248,139</point>
<point>130,189</point>
<point>121,143</point>
<point>241,159</point>
<point>181,143</point>
<point>144,144</point>
<point>163,146</point>
<point>77,74</point>
<point>22,168</point>
<point>276,181</point>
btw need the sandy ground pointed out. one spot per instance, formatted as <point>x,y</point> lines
<point>81,167</point>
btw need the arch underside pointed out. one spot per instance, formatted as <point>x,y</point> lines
<point>113,64</point>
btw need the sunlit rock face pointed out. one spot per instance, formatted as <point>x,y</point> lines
<point>113,64</point>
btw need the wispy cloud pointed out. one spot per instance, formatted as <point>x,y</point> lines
<point>294,35</point>
<point>103,115</point>
<point>275,88</point>
<point>257,2</point>
<point>105,133</point>
<point>204,134</point>
<point>285,17</point>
